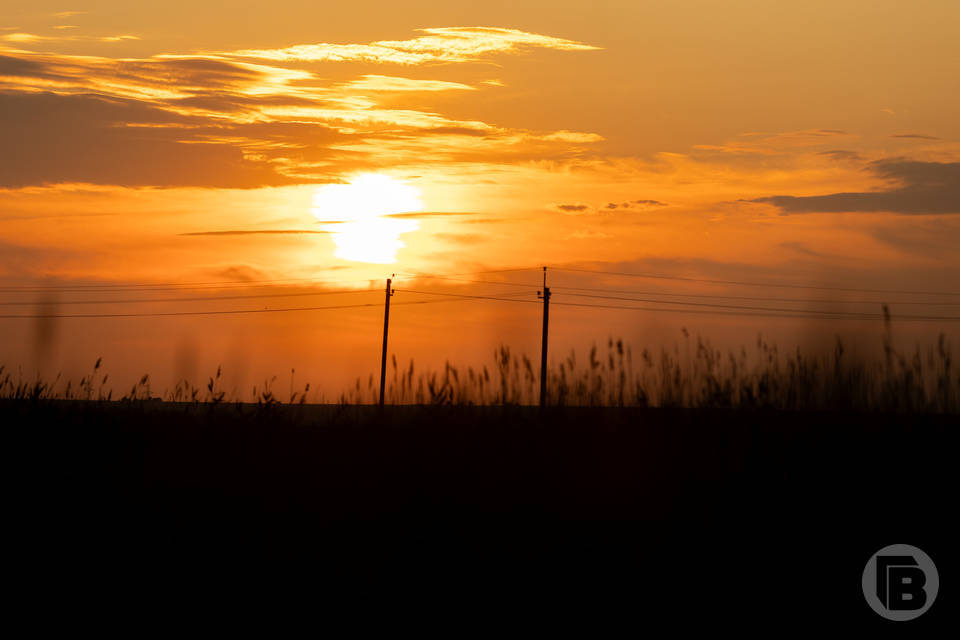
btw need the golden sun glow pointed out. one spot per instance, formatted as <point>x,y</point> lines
<point>357,215</point>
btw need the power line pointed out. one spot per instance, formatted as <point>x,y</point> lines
<point>253,283</point>
<point>194,299</point>
<point>474,273</point>
<point>785,314</point>
<point>162,286</point>
<point>166,286</point>
<point>426,276</point>
<point>724,306</point>
<point>754,284</point>
<point>245,311</point>
<point>187,313</point>
<point>724,309</point>
<point>686,295</point>
<point>736,310</point>
<point>704,280</point>
<point>764,298</point>
<point>463,295</point>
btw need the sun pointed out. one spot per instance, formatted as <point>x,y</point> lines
<point>357,215</point>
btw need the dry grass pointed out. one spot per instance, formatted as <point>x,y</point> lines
<point>690,374</point>
<point>693,374</point>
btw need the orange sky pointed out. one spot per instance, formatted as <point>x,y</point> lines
<point>179,142</point>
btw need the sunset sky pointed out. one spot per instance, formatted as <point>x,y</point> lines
<point>286,147</point>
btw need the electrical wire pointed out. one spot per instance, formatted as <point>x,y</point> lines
<point>763,298</point>
<point>463,295</point>
<point>248,311</point>
<point>473,273</point>
<point>708,307</point>
<point>724,306</point>
<point>166,286</point>
<point>425,276</point>
<point>786,314</point>
<point>194,299</point>
<point>754,284</point>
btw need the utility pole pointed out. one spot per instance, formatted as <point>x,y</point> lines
<point>386,326</point>
<point>545,296</point>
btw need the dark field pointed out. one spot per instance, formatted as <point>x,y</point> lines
<point>690,515</point>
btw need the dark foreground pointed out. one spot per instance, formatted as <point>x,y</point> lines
<point>688,517</point>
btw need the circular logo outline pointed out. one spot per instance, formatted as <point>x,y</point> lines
<point>889,581</point>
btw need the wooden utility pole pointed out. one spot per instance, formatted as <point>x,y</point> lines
<point>545,296</point>
<point>386,326</point>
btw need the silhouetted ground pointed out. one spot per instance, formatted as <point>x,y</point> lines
<point>686,515</point>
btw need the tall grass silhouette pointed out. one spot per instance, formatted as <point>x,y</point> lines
<point>690,374</point>
<point>694,375</point>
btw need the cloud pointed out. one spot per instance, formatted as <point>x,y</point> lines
<point>634,204</point>
<point>570,136</point>
<point>588,234</point>
<point>428,214</point>
<point>443,44</point>
<point>458,131</point>
<point>26,38</point>
<point>153,79</point>
<point>770,144</point>
<point>492,220</point>
<point>928,238</point>
<point>10,66</point>
<point>241,273</point>
<point>391,83</point>
<point>250,232</point>
<point>462,238</point>
<point>53,139</point>
<point>224,121</point>
<point>628,205</point>
<point>841,154</point>
<point>571,208</point>
<point>800,247</point>
<point>916,136</point>
<point>917,188</point>
<point>20,260</point>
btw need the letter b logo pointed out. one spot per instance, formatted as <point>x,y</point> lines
<point>900,582</point>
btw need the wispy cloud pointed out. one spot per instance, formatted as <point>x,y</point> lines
<point>571,209</point>
<point>765,143</point>
<point>429,214</point>
<point>917,188</point>
<point>251,123</point>
<point>580,208</point>
<point>569,136</point>
<point>392,83</point>
<point>25,38</point>
<point>462,238</point>
<point>841,154</point>
<point>634,205</point>
<point>588,234</point>
<point>800,247</point>
<point>443,44</point>
<point>916,136</point>
<point>253,232</point>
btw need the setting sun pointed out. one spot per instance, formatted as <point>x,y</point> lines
<point>357,215</point>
